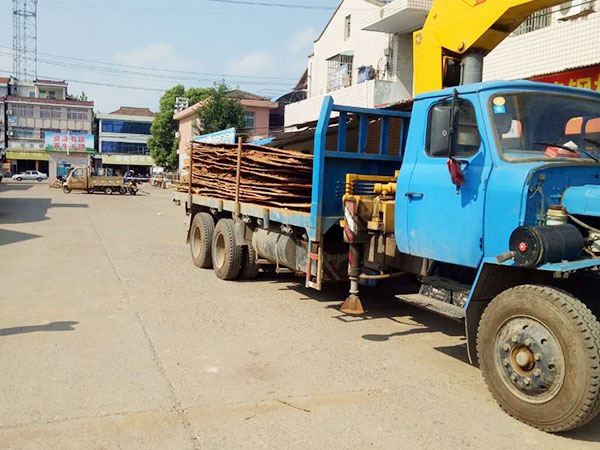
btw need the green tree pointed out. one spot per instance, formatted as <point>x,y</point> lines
<point>162,144</point>
<point>221,111</point>
<point>82,98</point>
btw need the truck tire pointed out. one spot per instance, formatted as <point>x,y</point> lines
<point>539,351</point>
<point>66,189</point>
<point>249,269</point>
<point>201,235</point>
<point>108,190</point>
<point>90,190</point>
<point>226,253</point>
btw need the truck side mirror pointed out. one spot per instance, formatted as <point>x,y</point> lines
<point>440,137</point>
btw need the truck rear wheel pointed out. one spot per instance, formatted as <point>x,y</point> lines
<point>226,253</point>
<point>108,190</point>
<point>201,235</point>
<point>249,269</point>
<point>539,351</point>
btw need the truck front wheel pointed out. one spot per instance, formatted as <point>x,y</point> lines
<point>226,253</point>
<point>201,235</point>
<point>539,351</point>
<point>66,189</point>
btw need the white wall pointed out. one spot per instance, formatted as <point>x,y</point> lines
<point>368,46</point>
<point>556,48</point>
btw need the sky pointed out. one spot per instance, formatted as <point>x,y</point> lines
<point>260,49</point>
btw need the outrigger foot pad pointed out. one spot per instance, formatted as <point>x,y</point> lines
<point>352,305</point>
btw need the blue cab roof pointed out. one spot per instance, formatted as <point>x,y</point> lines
<point>519,85</point>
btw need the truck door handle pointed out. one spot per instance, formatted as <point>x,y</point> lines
<point>414,195</point>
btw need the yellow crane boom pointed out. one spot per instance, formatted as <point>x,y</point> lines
<point>460,33</point>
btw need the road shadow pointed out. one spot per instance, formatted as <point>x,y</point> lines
<point>54,326</point>
<point>11,237</point>
<point>380,302</point>
<point>28,210</point>
<point>588,433</point>
<point>6,187</point>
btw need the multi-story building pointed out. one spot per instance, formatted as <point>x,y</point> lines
<point>258,118</point>
<point>4,82</point>
<point>123,140</point>
<point>35,109</point>
<point>357,67</point>
<point>557,45</point>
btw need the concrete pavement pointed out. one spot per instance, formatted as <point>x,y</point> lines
<point>111,338</point>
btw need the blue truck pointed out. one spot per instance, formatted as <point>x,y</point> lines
<point>485,199</point>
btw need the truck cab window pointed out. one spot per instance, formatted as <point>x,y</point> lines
<point>466,140</point>
<point>78,173</point>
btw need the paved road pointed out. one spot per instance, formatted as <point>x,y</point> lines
<point>111,338</point>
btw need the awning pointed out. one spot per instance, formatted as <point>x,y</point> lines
<point>128,160</point>
<point>27,155</point>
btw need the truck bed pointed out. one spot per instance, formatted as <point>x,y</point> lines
<point>96,181</point>
<point>330,167</point>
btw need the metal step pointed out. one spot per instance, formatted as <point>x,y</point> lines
<point>434,305</point>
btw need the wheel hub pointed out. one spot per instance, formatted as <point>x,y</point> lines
<point>529,359</point>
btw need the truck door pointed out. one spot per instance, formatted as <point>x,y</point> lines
<point>445,224</point>
<point>78,179</point>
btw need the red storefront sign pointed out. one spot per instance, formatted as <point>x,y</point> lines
<point>588,78</point>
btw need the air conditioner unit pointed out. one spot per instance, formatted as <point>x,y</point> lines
<point>572,10</point>
<point>10,133</point>
<point>9,112</point>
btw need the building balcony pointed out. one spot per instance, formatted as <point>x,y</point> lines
<point>370,94</point>
<point>400,16</point>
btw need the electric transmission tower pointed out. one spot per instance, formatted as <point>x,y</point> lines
<point>25,39</point>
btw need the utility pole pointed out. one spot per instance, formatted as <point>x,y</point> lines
<point>25,39</point>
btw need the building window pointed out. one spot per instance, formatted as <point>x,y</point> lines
<point>23,111</point>
<point>52,94</point>
<point>538,20</point>
<point>118,126</point>
<point>129,148</point>
<point>50,112</point>
<point>339,72</point>
<point>23,132</point>
<point>48,130</point>
<point>250,121</point>
<point>347,27</point>
<point>77,114</point>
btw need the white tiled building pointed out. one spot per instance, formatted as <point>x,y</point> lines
<point>548,46</point>
<point>344,47</point>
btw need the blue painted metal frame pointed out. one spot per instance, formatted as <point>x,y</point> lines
<point>331,166</point>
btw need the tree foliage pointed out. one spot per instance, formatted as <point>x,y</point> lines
<point>221,112</point>
<point>162,144</point>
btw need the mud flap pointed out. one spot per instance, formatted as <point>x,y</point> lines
<point>472,316</point>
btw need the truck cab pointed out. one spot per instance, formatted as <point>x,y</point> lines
<point>520,146</point>
<point>496,215</point>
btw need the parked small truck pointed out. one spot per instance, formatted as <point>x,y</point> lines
<point>82,178</point>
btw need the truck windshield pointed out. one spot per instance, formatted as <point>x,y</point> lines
<point>536,126</point>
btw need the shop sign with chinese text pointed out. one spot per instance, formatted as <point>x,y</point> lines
<point>588,78</point>
<point>67,142</point>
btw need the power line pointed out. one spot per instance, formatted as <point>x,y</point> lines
<point>283,86</point>
<point>233,2</point>
<point>156,69</point>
